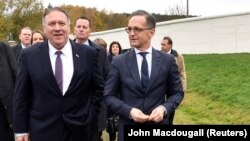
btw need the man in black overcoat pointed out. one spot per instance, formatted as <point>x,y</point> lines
<point>8,68</point>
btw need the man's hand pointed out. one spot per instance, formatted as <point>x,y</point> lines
<point>157,114</point>
<point>138,116</point>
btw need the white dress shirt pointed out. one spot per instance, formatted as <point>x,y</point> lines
<point>67,61</point>
<point>139,59</point>
<point>23,46</point>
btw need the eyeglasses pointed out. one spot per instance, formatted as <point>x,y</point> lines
<point>136,29</point>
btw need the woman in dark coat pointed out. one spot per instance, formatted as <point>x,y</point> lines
<point>115,49</point>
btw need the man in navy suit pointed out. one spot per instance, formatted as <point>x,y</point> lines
<point>142,91</point>
<point>53,105</point>
<point>82,32</point>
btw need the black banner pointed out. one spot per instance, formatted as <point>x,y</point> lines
<point>186,132</point>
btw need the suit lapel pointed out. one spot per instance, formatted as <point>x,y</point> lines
<point>133,67</point>
<point>156,64</point>
<point>76,62</point>
<point>46,64</point>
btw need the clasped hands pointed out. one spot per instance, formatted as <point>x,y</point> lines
<point>156,115</point>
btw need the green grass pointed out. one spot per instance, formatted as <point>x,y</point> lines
<point>218,90</point>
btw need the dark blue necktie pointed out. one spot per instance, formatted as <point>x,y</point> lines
<point>59,71</point>
<point>144,71</point>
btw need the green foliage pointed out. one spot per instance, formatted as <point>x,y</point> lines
<point>26,13</point>
<point>218,89</point>
<point>2,19</point>
<point>18,14</point>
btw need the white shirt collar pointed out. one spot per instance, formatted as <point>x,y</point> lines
<point>169,52</point>
<point>86,42</point>
<point>149,50</point>
<point>65,49</point>
<point>23,46</point>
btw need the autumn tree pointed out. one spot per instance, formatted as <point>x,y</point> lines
<point>16,14</point>
<point>3,20</point>
<point>25,13</point>
<point>74,12</point>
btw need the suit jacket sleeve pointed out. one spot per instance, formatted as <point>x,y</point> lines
<point>103,60</point>
<point>21,98</point>
<point>8,70</point>
<point>111,92</point>
<point>174,88</point>
<point>98,83</point>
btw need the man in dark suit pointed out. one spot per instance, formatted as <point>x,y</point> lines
<point>8,68</point>
<point>82,32</point>
<point>25,38</point>
<point>141,80</point>
<point>59,86</point>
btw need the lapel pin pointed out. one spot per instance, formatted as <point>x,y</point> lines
<point>77,55</point>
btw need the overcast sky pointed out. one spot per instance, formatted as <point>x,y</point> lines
<point>196,7</point>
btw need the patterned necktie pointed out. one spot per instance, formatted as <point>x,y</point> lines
<point>59,70</point>
<point>144,71</point>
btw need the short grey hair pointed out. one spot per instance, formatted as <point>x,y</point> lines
<point>52,9</point>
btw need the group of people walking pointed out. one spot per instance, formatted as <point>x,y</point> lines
<point>72,90</point>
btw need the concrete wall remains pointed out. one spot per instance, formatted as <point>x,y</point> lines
<point>198,35</point>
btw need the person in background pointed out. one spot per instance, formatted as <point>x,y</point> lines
<point>115,49</point>
<point>138,82</point>
<point>102,124</point>
<point>59,86</point>
<point>101,43</point>
<point>37,37</point>
<point>82,32</point>
<point>25,38</point>
<point>167,47</point>
<point>8,70</point>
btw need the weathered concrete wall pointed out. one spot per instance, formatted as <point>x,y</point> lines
<point>199,35</point>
